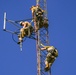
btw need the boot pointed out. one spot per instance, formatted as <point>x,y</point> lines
<point>20,40</point>
<point>46,67</point>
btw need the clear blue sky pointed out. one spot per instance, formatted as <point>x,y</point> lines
<point>62,33</point>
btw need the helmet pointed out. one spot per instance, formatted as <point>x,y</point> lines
<point>32,7</point>
<point>20,22</point>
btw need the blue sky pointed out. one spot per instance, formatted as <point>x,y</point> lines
<point>62,34</point>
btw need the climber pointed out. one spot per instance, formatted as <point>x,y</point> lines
<point>26,30</point>
<point>50,57</point>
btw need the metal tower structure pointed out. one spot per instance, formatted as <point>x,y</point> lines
<point>42,37</point>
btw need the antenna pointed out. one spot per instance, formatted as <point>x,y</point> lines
<point>4,26</point>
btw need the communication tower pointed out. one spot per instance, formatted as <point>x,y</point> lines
<point>42,37</point>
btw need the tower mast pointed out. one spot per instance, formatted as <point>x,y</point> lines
<point>42,37</point>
